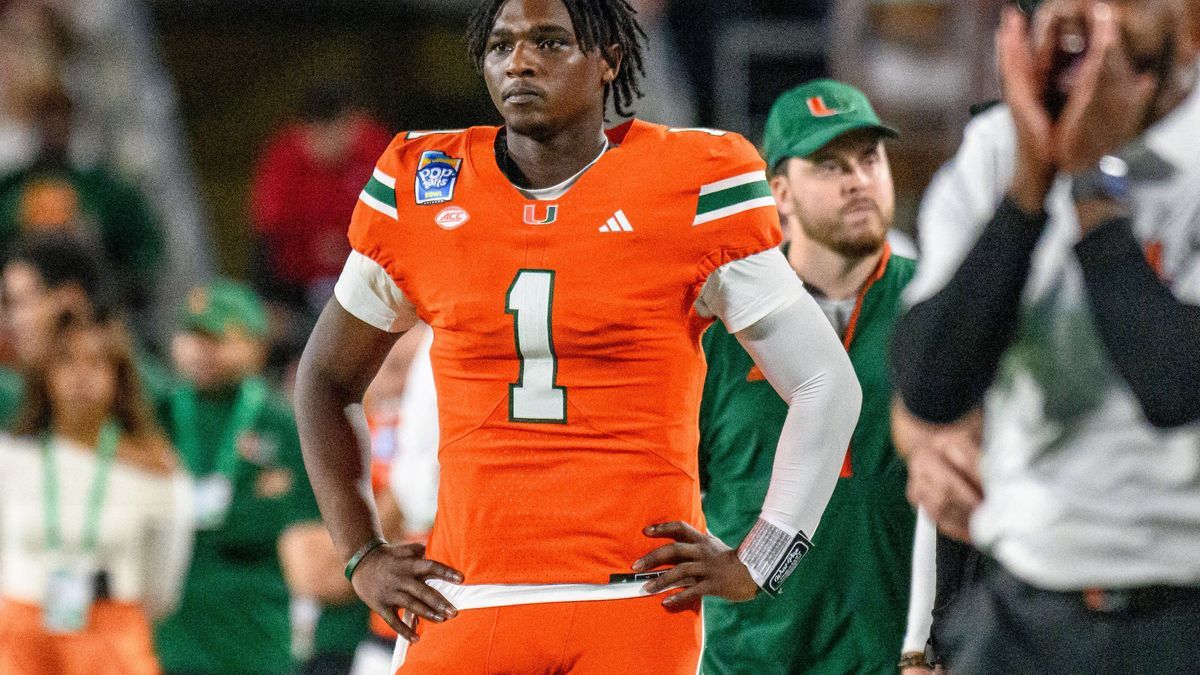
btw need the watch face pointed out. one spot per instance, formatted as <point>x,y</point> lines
<point>1028,6</point>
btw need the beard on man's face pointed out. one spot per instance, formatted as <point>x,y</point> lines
<point>848,241</point>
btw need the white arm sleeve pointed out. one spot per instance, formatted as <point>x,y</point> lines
<point>779,324</point>
<point>368,292</point>
<point>802,358</point>
<point>924,585</point>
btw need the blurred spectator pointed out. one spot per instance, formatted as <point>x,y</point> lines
<point>956,565</point>
<point>94,515</point>
<point>1060,292</point>
<point>238,439</point>
<point>54,194</point>
<point>313,571</point>
<point>844,611</point>
<point>104,54</point>
<point>46,276</point>
<point>305,188</point>
<point>33,46</point>
<point>413,439</point>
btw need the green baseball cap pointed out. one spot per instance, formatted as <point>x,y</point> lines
<point>803,120</point>
<point>225,308</point>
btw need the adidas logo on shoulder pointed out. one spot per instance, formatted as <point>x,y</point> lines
<point>618,223</point>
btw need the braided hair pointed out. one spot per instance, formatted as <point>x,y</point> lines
<point>598,24</point>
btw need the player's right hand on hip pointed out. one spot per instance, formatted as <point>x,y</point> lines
<point>702,565</point>
<point>392,579</point>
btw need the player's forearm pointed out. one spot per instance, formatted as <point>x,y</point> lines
<point>341,357</point>
<point>822,414</point>
<point>1151,336</point>
<point>338,468</point>
<point>804,361</point>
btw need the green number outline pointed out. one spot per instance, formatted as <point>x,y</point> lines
<point>521,355</point>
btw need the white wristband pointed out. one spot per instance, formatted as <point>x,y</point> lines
<point>771,553</point>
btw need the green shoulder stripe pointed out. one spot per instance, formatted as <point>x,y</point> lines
<point>379,190</point>
<point>733,195</point>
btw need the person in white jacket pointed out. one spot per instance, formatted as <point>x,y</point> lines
<point>95,515</point>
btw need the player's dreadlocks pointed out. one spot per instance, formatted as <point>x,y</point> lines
<point>598,24</point>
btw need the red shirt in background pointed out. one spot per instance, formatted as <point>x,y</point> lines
<point>301,207</point>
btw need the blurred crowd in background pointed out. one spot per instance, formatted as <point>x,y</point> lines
<point>153,153</point>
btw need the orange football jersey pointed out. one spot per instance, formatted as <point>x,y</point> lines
<point>566,347</point>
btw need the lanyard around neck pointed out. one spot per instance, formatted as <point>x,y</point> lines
<point>106,452</point>
<point>251,397</point>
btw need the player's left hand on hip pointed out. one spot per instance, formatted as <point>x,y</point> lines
<point>702,565</point>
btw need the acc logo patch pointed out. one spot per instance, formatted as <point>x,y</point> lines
<point>437,173</point>
<point>451,217</point>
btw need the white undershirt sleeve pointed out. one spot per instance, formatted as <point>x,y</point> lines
<point>368,292</point>
<point>803,359</point>
<point>745,290</point>
<point>924,585</point>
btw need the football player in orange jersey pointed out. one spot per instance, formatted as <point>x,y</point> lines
<point>568,273</point>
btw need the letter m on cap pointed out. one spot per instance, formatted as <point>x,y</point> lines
<point>816,105</point>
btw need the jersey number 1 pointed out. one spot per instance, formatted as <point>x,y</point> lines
<point>534,396</point>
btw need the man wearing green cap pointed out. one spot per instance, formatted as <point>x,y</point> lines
<point>238,439</point>
<point>846,610</point>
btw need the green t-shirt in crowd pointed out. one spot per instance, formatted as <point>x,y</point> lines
<point>94,199</point>
<point>235,613</point>
<point>844,609</point>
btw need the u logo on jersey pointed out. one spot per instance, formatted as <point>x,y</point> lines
<point>437,173</point>
<point>548,215</point>
<point>816,106</point>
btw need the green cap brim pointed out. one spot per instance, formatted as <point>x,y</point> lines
<point>202,323</point>
<point>820,139</point>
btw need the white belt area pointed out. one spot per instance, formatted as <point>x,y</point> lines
<point>481,596</point>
